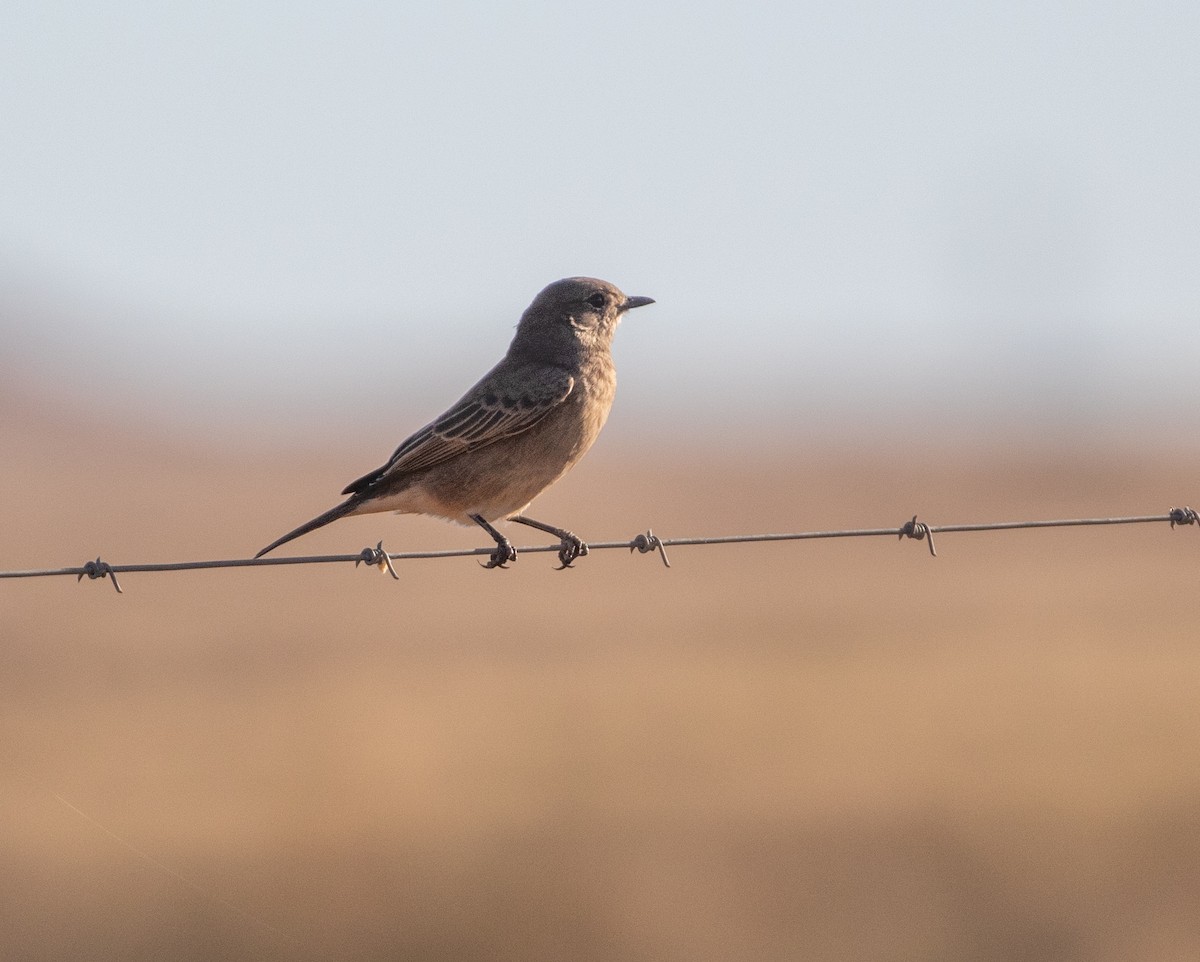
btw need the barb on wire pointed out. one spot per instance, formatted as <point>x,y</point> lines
<point>645,543</point>
<point>918,531</point>
<point>378,558</point>
<point>100,569</point>
<point>1183,516</point>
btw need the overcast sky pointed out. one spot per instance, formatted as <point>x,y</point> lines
<point>276,208</point>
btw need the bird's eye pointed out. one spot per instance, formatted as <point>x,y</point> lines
<point>597,300</point>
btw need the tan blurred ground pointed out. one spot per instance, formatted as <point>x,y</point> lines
<point>833,750</point>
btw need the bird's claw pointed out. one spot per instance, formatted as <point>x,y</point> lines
<point>503,554</point>
<point>572,547</point>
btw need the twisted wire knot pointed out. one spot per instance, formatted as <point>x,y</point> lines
<point>1183,516</point>
<point>645,543</point>
<point>918,531</point>
<point>377,558</point>
<point>100,569</point>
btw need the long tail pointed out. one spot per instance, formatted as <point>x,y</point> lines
<point>343,509</point>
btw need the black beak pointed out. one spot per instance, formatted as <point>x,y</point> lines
<point>632,302</point>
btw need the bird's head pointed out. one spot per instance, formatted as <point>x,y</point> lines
<point>574,315</point>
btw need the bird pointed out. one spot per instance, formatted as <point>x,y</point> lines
<point>514,433</point>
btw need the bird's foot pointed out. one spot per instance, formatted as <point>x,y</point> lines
<point>503,554</point>
<point>572,547</point>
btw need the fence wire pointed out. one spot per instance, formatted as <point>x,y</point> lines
<point>643,543</point>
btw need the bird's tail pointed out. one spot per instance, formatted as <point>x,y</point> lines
<point>343,509</point>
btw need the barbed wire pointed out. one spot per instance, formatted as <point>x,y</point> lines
<point>643,543</point>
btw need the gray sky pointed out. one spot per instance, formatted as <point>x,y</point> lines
<point>841,207</point>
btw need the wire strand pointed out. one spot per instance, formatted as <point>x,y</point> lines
<point>642,543</point>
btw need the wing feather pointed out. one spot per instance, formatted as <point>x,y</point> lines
<point>506,402</point>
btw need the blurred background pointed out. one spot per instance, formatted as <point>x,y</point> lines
<point>924,258</point>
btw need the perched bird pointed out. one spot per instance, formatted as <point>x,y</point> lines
<point>514,433</point>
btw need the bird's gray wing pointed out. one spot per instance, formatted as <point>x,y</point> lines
<point>507,401</point>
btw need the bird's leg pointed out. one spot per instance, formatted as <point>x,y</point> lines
<point>572,546</point>
<point>504,552</point>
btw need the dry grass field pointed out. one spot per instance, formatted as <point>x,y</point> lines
<point>842,750</point>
